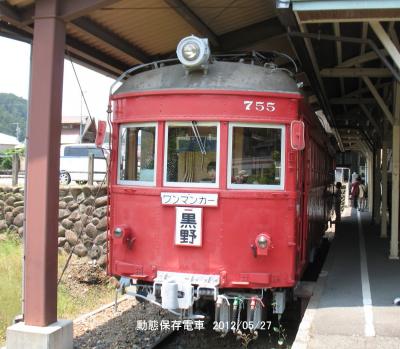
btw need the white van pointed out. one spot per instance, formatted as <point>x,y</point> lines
<point>74,163</point>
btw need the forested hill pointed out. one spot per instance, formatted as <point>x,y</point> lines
<point>13,110</point>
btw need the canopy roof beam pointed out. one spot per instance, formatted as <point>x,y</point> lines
<point>371,43</point>
<point>191,18</point>
<point>393,35</point>
<point>314,61</point>
<point>379,99</point>
<point>361,59</point>
<point>253,33</point>
<point>71,9</point>
<point>355,72</point>
<point>84,53</point>
<point>289,21</point>
<point>363,90</point>
<point>347,101</point>
<point>68,10</point>
<point>106,36</point>
<point>386,42</point>
<point>9,13</point>
<point>371,119</point>
<point>336,29</point>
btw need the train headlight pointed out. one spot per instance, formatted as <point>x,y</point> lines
<point>262,241</point>
<point>193,52</point>
<point>118,232</point>
<point>262,245</point>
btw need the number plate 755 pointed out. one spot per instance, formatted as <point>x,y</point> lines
<point>259,106</point>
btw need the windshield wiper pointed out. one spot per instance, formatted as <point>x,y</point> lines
<point>198,138</point>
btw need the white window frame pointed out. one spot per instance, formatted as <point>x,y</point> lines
<point>131,182</point>
<point>217,160</point>
<point>231,185</point>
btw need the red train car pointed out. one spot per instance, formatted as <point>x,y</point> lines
<point>218,182</point>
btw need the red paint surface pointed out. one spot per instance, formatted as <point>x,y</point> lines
<point>229,230</point>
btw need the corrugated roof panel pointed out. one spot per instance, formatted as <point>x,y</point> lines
<point>208,10</point>
<point>228,15</point>
<point>100,45</point>
<point>153,27</point>
<point>89,58</point>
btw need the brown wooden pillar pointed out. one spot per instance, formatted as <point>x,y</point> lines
<point>44,127</point>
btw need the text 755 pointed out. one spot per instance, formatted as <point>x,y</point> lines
<point>259,106</point>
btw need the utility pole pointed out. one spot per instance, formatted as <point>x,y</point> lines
<point>17,129</point>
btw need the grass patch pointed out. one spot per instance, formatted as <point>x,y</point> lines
<point>10,281</point>
<point>70,306</point>
<point>74,298</point>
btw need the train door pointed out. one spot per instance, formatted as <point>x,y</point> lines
<point>307,169</point>
<point>301,204</point>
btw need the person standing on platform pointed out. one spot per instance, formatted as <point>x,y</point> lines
<point>355,191</point>
<point>354,177</point>
<point>362,196</point>
<point>338,201</point>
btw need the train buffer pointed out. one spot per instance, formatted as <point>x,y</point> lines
<point>352,302</point>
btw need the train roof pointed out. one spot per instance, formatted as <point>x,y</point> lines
<point>220,76</point>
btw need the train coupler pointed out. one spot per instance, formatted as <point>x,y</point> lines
<point>179,291</point>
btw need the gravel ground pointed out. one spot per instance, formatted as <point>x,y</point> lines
<point>110,329</point>
<point>209,339</point>
<point>267,339</point>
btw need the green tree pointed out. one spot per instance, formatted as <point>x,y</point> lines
<point>13,110</point>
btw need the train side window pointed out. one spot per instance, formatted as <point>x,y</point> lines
<point>256,156</point>
<point>137,154</point>
<point>191,157</point>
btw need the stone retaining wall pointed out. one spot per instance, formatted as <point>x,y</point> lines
<point>82,217</point>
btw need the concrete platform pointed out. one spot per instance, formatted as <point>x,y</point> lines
<point>352,304</point>
<point>55,336</point>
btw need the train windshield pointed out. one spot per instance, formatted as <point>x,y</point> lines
<point>137,154</point>
<point>191,154</point>
<point>256,155</point>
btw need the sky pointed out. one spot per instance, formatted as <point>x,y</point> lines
<point>14,78</point>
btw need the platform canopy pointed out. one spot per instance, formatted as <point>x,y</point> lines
<point>357,71</point>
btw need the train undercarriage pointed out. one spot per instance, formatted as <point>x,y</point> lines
<point>242,312</point>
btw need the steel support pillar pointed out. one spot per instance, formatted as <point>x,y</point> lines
<point>384,180</point>
<point>44,129</point>
<point>377,186</point>
<point>394,239</point>
<point>370,164</point>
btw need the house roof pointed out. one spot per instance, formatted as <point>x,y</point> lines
<point>8,140</point>
<point>73,119</point>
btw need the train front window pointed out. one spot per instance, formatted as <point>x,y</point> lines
<point>137,154</point>
<point>191,154</point>
<point>256,156</point>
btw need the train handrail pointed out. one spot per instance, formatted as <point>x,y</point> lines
<point>137,67</point>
